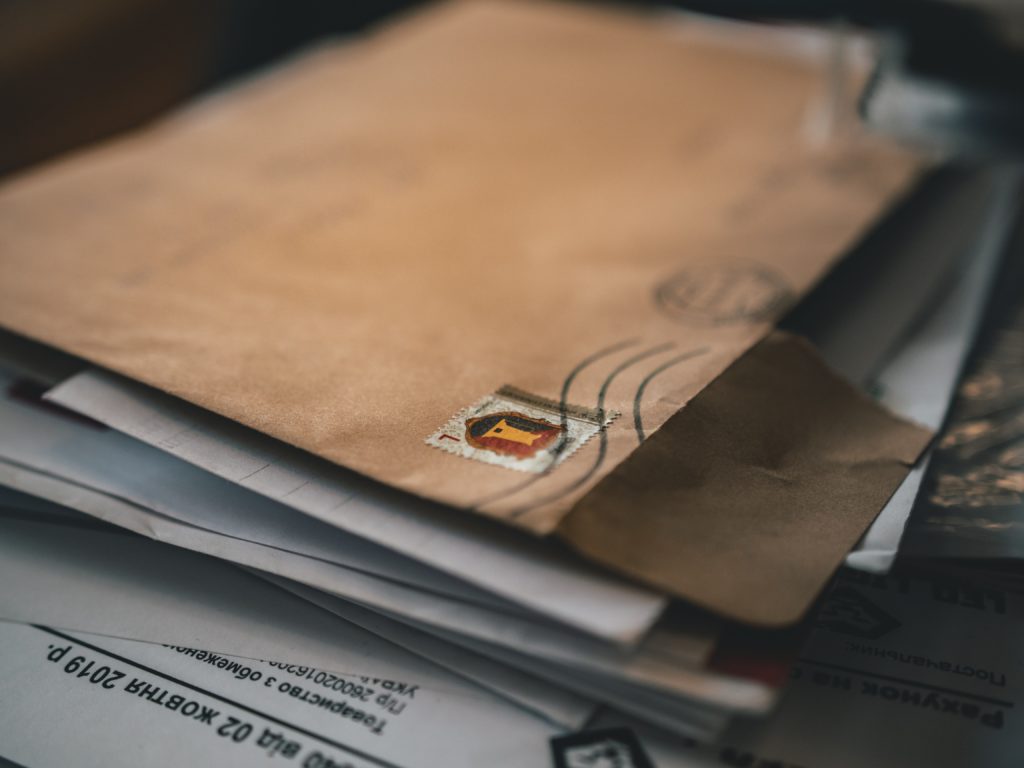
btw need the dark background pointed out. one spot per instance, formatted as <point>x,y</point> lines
<point>75,71</point>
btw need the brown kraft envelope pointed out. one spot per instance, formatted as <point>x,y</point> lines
<point>484,254</point>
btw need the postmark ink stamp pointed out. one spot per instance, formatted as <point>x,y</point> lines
<point>518,430</point>
<point>724,293</point>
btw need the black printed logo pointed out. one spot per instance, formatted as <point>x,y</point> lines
<point>847,611</point>
<point>603,748</point>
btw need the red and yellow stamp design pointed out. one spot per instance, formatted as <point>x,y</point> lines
<point>515,429</point>
<point>511,433</point>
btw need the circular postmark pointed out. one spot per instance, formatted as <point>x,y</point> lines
<point>722,293</point>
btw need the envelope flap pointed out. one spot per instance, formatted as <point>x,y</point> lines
<point>746,500</point>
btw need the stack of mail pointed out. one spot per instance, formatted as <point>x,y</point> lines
<point>544,356</point>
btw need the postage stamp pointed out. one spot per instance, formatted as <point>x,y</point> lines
<point>518,430</point>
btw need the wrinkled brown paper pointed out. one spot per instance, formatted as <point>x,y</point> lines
<point>753,492</point>
<point>596,208</point>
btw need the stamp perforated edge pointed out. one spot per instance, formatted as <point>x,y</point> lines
<point>578,413</point>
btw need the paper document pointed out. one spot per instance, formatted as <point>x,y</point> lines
<point>154,484</point>
<point>109,475</point>
<point>94,702</point>
<point>689,646</point>
<point>529,573</point>
<point>62,571</point>
<point>905,670</point>
<point>693,713</point>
